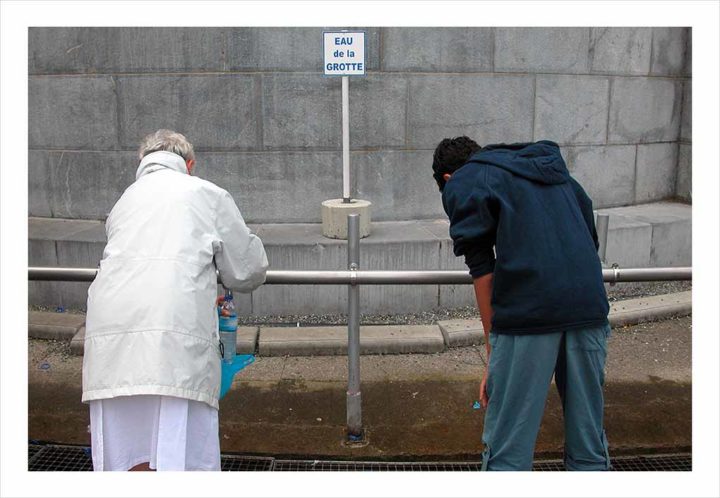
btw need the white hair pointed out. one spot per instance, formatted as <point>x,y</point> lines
<point>168,140</point>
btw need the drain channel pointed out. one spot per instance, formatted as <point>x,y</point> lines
<point>47,457</point>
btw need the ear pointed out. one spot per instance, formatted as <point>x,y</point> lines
<point>446,176</point>
<point>190,165</point>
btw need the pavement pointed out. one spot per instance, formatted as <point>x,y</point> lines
<point>387,339</point>
<point>414,405</point>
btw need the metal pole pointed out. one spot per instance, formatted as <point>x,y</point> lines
<point>354,397</point>
<point>346,139</point>
<point>603,222</point>
<point>346,277</point>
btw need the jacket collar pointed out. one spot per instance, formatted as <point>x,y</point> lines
<point>160,160</point>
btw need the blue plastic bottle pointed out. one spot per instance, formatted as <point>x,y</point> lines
<point>228,327</point>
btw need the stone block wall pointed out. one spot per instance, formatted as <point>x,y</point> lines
<point>266,123</point>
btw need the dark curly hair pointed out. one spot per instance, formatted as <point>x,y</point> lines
<point>450,155</point>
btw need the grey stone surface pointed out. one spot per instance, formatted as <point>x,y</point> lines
<point>459,333</point>
<point>218,111</point>
<point>488,108</point>
<point>39,188</point>
<point>303,248</point>
<point>668,51</point>
<point>398,183</point>
<point>289,48</point>
<point>644,110</point>
<point>87,184</point>
<point>72,112</point>
<point>634,311</point>
<point>629,242</point>
<point>56,326</point>
<point>43,253</point>
<point>683,187</point>
<point>246,342</point>
<point>273,187</point>
<point>466,49</point>
<point>77,343</point>
<point>126,49</point>
<point>620,50</point>
<point>55,229</point>
<point>453,296</point>
<point>555,50</point>
<point>656,170</point>
<point>301,111</point>
<point>687,66</point>
<point>607,173</point>
<point>686,117</point>
<point>672,230</point>
<point>378,110</point>
<point>319,341</point>
<point>571,109</point>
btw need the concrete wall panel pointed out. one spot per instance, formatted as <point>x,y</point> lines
<point>398,183</point>
<point>644,110</point>
<point>274,187</point>
<point>485,108</point>
<point>125,50</point>
<point>437,49</point>
<point>552,50</point>
<point>571,109</point>
<point>606,173</point>
<point>301,111</point>
<point>87,184</point>
<point>683,186</point>
<point>620,50</point>
<point>668,49</point>
<point>656,171</point>
<point>72,112</point>
<point>216,111</point>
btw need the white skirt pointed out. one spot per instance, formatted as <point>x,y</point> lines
<point>170,433</point>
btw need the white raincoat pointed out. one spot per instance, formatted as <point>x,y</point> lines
<point>151,324</point>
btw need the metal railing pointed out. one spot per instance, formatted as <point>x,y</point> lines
<point>353,277</point>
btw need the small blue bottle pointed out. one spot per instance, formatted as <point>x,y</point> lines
<point>228,327</point>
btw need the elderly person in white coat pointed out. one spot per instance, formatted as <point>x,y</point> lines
<point>151,369</point>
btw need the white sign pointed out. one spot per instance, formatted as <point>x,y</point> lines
<point>344,53</point>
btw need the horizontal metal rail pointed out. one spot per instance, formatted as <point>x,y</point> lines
<point>367,277</point>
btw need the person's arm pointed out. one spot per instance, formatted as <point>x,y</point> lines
<point>473,222</point>
<point>239,255</point>
<point>483,295</point>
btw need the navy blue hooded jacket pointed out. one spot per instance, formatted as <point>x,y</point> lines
<point>521,200</point>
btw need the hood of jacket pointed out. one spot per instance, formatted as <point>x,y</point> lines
<point>540,162</point>
<point>161,159</point>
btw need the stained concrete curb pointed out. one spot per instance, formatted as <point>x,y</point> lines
<point>459,333</point>
<point>644,309</point>
<point>388,339</point>
<point>319,341</point>
<point>56,326</point>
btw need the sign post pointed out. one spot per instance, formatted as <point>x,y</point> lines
<point>344,56</point>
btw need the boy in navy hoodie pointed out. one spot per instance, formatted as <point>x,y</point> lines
<point>526,230</point>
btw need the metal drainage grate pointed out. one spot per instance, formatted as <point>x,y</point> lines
<point>77,458</point>
<point>61,458</point>
<point>339,466</point>
<point>659,463</point>
<point>33,449</point>
<point>245,464</point>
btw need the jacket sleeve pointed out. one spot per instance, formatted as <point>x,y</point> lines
<point>586,209</point>
<point>472,224</point>
<point>239,255</point>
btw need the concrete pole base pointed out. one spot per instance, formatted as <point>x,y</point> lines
<point>334,217</point>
